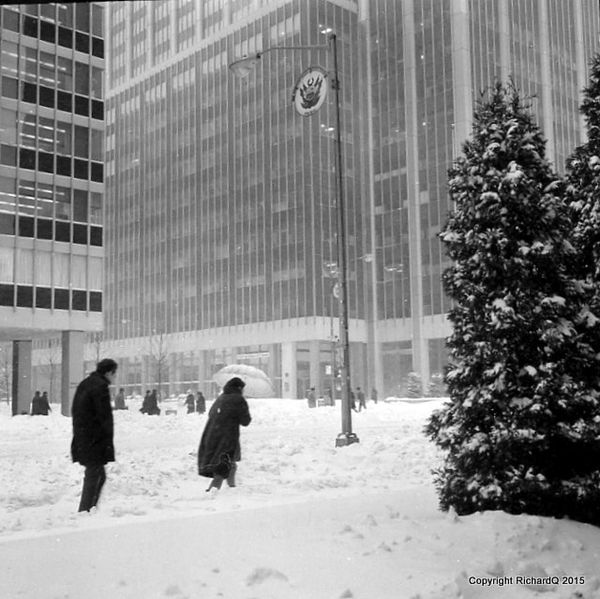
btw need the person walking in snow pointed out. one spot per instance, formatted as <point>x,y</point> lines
<point>190,402</point>
<point>35,404</point>
<point>374,395</point>
<point>220,448</point>
<point>360,394</point>
<point>45,404</point>
<point>150,404</point>
<point>145,402</point>
<point>92,445</point>
<point>311,398</point>
<point>200,403</point>
<point>120,400</point>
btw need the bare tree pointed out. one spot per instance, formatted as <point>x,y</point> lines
<point>6,371</point>
<point>50,366</point>
<point>97,341</point>
<point>158,351</point>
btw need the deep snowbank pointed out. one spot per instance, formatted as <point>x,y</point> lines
<point>306,521</point>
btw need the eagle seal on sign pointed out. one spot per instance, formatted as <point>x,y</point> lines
<point>310,91</point>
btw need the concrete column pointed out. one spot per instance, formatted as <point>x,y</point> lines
<point>504,35</point>
<point>374,356</point>
<point>274,367</point>
<point>461,63</point>
<point>419,356</point>
<point>289,371</point>
<point>547,123</point>
<point>582,67</point>
<point>21,377</point>
<point>71,367</point>
<point>314,359</point>
<point>200,358</point>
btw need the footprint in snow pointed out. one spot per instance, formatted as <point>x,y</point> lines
<point>173,591</point>
<point>261,575</point>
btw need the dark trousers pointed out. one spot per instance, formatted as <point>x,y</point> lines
<point>93,481</point>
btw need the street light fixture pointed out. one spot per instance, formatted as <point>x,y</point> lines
<point>242,68</point>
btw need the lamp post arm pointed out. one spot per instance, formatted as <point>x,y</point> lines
<point>288,48</point>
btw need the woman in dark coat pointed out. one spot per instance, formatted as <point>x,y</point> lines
<point>92,444</point>
<point>45,404</point>
<point>220,444</point>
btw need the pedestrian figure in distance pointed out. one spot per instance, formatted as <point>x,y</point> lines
<point>200,403</point>
<point>45,404</point>
<point>352,400</point>
<point>328,397</point>
<point>374,394</point>
<point>190,402</point>
<point>360,394</point>
<point>150,404</point>
<point>219,448</point>
<point>92,445</point>
<point>311,398</point>
<point>145,402</point>
<point>36,404</point>
<point>120,400</point>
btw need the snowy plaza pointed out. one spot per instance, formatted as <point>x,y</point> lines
<point>306,521</point>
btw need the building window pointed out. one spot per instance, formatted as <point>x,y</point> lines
<point>63,166</point>
<point>7,293</point>
<point>47,32</point>
<point>96,236</point>
<point>8,155</point>
<point>30,26</point>
<point>61,299</point>
<point>26,226</point>
<point>44,228</point>
<point>10,20</point>
<point>96,301</point>
<point>46,162</point>
<point>82,105</point>
<point>65,37</point>
<point>62,231</point>
<point>79,299</point>
<point>43,297</point>
<point>27,158</point>
<point>10,87</point>
<point>80,170</point>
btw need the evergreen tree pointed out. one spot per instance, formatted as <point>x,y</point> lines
<point>583,172</point>
<point>520,431</point>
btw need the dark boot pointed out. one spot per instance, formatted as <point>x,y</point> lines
<point>231,477</point>
<point>215,483</point>
<point>93,481</point>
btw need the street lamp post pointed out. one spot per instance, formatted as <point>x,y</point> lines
<point>242,68</point>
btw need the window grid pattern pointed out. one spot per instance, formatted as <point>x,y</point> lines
<point>225,219</point>
<point>51,158</point>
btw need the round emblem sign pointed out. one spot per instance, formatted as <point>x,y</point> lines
<point>310,91</point>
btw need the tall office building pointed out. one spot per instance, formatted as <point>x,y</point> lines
<point>51,184</point>
<point>220,219</point>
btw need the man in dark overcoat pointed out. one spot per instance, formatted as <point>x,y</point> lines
<point>220,444</point>
<point>200,403</point>
<point>92,444</point>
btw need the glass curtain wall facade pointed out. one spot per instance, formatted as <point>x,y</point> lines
<point>51,190</point>
<point>52,156</point>
<point>221,208</point>
<point>221,201</point>
<point>429,61</point>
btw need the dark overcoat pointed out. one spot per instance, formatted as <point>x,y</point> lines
<point>222,431</point>
<point>92,422</point>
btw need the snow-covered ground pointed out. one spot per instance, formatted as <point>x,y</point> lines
<point>306,521</point>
